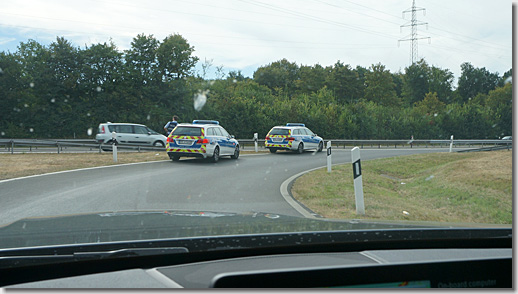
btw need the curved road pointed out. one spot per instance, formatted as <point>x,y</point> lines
<point>249,184</point>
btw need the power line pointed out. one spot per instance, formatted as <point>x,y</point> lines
<point>314,18</point>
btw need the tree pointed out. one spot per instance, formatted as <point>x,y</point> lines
<point>345,82</point>
<point>278,76</point>
<point>441,81</point>
<point>380,86</point>
<point>141,60</point>
<point>312,79</point>
<point>500,107</point>
<point>102,75</point>
<point>175,59</point>
<point>416,82</point>
<point>475,80</point>
<point>506,78</point>
<point>11,91</point>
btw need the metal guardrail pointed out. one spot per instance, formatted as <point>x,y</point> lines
<point>60,144</point>
<point>400,143</point>
<point>10,144</point>
<point>493,148</point>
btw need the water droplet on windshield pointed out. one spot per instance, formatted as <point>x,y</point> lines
<point>89,131</point>
<point>53,100</point>
<point>200,99</point>
<point>148,117</point>
<point>31,130</point>
<point>98,89</point>
<point>31,85</point>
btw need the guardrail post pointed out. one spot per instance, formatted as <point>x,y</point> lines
<point>114,146</point>
<point>451,144</point>
<point>57,144</point>
<point>329,160</point>
<point>138,149</point>
<point>12,146</point>
<point>256,139</point>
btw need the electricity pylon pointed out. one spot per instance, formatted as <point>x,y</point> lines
<point>413,37</point>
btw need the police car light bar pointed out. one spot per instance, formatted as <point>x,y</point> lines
<point>295,125</point>
<point>205,122</point>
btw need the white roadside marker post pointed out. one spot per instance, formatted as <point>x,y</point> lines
<point>358,183</point>
<point>114,146</point>
<point>329,156</point>
<point>256,138</point>
<point>451,144</point>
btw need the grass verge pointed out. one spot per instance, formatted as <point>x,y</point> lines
<point>28,164</point>
<point>444,187</point>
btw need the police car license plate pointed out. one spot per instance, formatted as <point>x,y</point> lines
<point>277,139</point>
<point>184,142</point>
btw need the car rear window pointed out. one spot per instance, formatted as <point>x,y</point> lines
<point>282,132</point>
<point>187,131</point>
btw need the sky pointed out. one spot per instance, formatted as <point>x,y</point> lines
<point>242,35</point>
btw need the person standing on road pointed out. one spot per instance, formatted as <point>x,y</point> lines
<point>169,126</point>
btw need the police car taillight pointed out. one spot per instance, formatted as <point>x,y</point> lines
<point>267,138</point>
<point>169,139</point>
<point>203,141</point>
<point>102,130</point>
<point>290,139</point>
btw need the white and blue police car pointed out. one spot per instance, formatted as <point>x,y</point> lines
<point>293,136</point>
<point>203,139</point>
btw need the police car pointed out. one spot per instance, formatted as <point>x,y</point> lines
<point>203,139</point>
<point>293,136</point>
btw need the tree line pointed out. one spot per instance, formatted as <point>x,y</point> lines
<point>63,91</point>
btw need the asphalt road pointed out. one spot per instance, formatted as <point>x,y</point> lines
<point>249,184</point>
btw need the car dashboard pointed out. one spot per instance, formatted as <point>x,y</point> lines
<point>437,268</point>
<point>453,258</point>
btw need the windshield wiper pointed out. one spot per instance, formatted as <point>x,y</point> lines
<point>15,261</point>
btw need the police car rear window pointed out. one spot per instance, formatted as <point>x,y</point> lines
<point>282,132</point>
<point>187,131</point>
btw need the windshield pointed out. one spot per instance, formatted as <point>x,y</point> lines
<point>278,131</point>
<point>410,101</point>
<point>187,131</point>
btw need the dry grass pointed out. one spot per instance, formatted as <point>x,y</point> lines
<point>444,187</point>
<point>27,164</point>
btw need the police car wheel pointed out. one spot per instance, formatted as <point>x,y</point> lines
<point>300,149</point>
<point>320,147</point>
<point>215,157</point>
<point>236,153</point>
<point>273,150</point>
